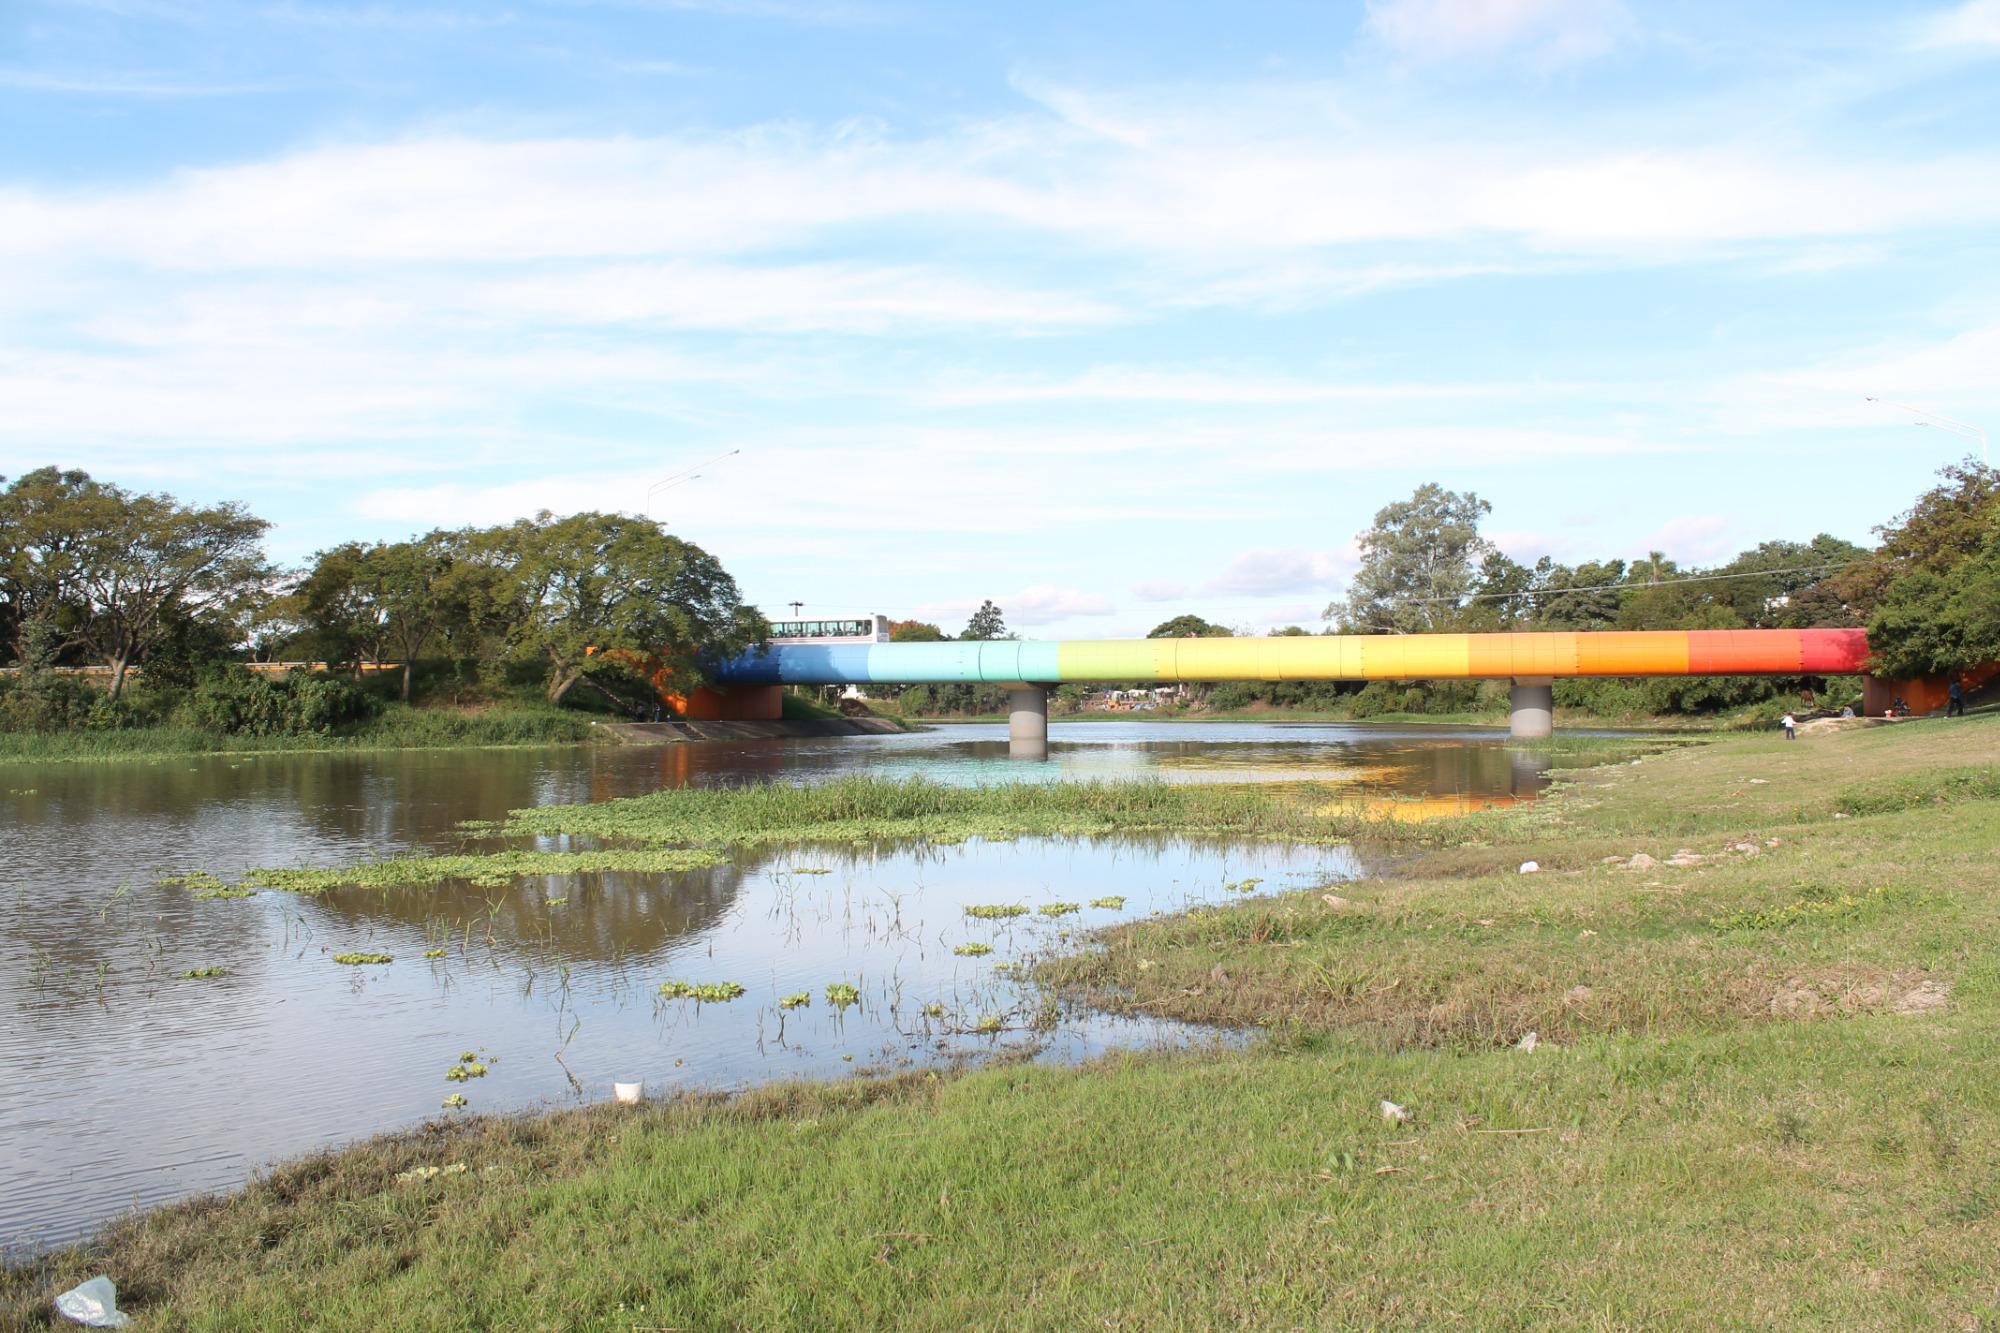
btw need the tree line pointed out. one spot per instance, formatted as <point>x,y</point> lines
<point>92,574</point>
<point>1929,595</point>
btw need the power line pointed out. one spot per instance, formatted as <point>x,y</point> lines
<point>1628,586</point>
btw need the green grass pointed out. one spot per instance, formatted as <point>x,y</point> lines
<point>398,727</point>
<point>1741,1113</point>
<point>875,808</point>
<point>486,870</point>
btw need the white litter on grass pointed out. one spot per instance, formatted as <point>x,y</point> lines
<point>1391,1111</point>
<point>94,1304</point>
<point>1530,867</point>
<point>1526,1043</point>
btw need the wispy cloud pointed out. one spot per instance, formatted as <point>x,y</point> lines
<point>1553,32</point>
<point>127,84</point>
<point>1974,23</point>
<point>1273,572</point>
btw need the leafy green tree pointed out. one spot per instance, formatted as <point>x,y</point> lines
<point>1935,582</point>
<point>1420,561</point>
<point>92,565</point>
<point>590,583</point>
<point>915,631</point>
<point>43,543</point>
<point>151,559</point>
<point>986,623</point>
<point>1501,600</point>
<point>337,602</point>
<point>1189,627</point>
<point>1584,598</point>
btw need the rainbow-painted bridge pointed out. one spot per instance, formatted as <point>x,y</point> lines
<point>1531,661</point>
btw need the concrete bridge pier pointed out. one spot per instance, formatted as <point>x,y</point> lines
<point>1027,722</point>
<point>1531,713</point>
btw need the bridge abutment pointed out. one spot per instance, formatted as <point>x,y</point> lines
<point>1531,712</point>
<point>1027,722</point>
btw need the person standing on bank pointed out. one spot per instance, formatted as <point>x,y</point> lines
<point>1791,726</point>
<point>1954,701</point>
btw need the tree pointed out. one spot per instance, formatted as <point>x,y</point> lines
<point>90,564</point>
<point>986,623</point>
<point>1935,583</point>
<point>1501,601</point>
<point>337,602</point>
<point>590,583</point>
<point>1419,563</point>
<point>42,545</point>
<point>915,631</point>
<point>1189,627</point>
<point>1583,598</point>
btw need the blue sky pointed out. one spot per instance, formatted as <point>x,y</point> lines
<point>1106,312</point>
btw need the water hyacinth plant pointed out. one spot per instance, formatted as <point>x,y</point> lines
<point>1060,909</point>
<point>455,1101</point>
<point>204,973</point>
<point>996,911</point>
<point>461,1072</point>
<point>363,959</point>
<point>796,1000</point>
<point>840,994</point>
<point>1110,902</point>
<point>973,950</point>
<point>493,870</point>
<point>709,992</point>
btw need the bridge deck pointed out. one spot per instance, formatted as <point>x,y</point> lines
<point>1771,652</point>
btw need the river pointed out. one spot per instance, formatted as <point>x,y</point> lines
<point>124,1083</point>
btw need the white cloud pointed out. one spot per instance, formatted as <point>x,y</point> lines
<point>1039,604</point>
<point>1556,32</point>
<point>1974,23</point>
<point>1690,539</point>
<point>1159,590</point>
<point>1275,571</point>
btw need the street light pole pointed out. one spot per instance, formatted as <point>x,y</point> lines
<point>1925,417</point>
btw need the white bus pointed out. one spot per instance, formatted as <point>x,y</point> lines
<point>831,629</point>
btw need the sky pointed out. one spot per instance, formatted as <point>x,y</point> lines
<point>1107,312</point>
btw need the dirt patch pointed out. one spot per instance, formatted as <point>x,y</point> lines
<point>1897,993</point>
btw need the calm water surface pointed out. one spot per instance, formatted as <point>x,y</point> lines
<point>123,1084</point>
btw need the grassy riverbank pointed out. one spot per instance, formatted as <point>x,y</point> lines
<point>1765,1093</point>
<point>397,727</point>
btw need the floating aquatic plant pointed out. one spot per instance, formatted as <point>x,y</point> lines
<point>362,959</point>
<point>988,1025</point>
<point>434,953</point>
<point>996,911</point>
<point>205,886</point>
<point>707,992</point>
<point>973,950</point>
<point>453,1102</point>
<point>810,870</point>
<point>933,1011</point>
<point>796,1000</point>
<point>204,973</point>
<point>557,902</point>
<point>467,1057</point>
<point>491,871</point>
<point>1242,885</point>
<point>461,1072</point>
<point>840,994</point>
<point>1059,909</point>
<point>1110,902</point>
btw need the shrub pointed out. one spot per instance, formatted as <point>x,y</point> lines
<point>240,703</point>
